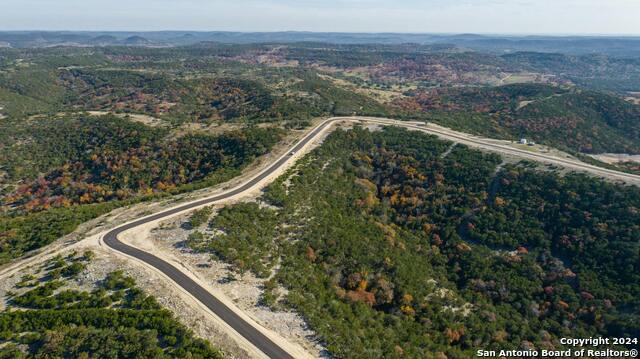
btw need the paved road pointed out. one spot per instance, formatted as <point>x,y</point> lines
<point>245,329</point>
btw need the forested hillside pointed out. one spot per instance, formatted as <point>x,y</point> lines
<point>391,250</point>
<point>555,99</point>
<point>178,85</point>
<point>596,71</point>
<point>60,172</point>
<point>569,119</point>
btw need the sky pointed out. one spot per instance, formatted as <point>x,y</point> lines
<point>607,17</point>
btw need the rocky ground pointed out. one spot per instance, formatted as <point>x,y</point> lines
<point>244,290</point>
<point>104,263</point>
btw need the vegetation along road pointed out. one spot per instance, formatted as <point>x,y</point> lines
<point>229,316</point>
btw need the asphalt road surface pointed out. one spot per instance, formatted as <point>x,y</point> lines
<point>253,335</point>
<point>245,329</point>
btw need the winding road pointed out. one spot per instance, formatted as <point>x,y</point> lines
<point>240,325</point>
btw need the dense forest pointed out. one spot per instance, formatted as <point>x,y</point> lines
<point>569,119</point>
<point>107,158</point>
<point>390,248</point>
<point>72,169</point>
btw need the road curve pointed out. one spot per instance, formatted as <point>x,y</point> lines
<point>253,335</point>
<point>249,332</point>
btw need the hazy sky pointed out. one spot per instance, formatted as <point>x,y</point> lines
<point>449,16</point>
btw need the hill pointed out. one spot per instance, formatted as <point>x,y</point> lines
<point>570,119</point>
<point>585,121</point>
<point>61,171</point>
<point>392,246</point>
<point>596,71</point>
<point>136,41</point>
<point>103,40</point>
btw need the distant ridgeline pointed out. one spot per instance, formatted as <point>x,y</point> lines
<point>618,46</point>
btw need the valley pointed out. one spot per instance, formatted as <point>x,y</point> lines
<point>304,199</point>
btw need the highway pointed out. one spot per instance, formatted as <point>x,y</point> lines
<point>242,327</point>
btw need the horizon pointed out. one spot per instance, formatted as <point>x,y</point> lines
<point>491,17</point>
<point>484,34</point>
